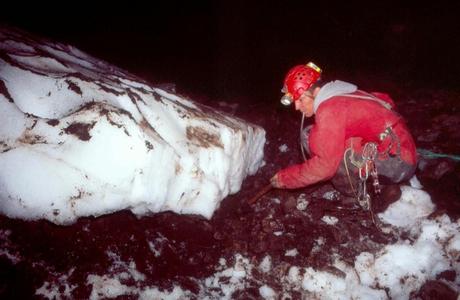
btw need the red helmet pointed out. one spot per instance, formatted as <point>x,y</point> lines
<point>299,79</point>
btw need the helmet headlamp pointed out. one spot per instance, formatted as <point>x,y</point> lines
<point>287,99</point>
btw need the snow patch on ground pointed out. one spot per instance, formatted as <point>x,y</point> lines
<point>283,148</point>
<point>267,292</point>
<point>329,220</point>
<point>266,264</point>
<point>415,183</point>
<point>400,268</point>
<point>156,246</point>
<point>404,266</point>
<point>331,195</point>
<point>302,202</point>
<point>291,252</point>
<point>413,206</point>
<point>7,248</point>
<point>395,271</point>
<point>58,289</point>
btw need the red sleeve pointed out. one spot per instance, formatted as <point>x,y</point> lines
<point>327,144</point>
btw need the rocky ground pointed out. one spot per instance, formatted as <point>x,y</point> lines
<point>167,250</point>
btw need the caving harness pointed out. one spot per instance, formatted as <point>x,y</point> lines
<point>365,162</point>
<point>365,165</point>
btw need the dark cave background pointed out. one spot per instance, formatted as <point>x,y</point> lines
<point>230,49</point>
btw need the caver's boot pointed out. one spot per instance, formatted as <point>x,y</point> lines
<point>389,194</point>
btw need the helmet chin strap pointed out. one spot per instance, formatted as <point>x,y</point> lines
<point>302,146</point>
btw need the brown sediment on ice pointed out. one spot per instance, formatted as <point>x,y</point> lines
<point>80,130</point>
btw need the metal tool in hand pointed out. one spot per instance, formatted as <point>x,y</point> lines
<point>262,192</point>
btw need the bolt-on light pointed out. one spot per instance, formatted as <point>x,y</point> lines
<point>314,67</point>
<point>287,99</point>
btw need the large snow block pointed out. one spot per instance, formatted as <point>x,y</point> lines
<point>80,137</point>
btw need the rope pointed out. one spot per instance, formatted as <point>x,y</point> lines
<point>348,171</point>
<point>301,136</point>
<point>432,155</point>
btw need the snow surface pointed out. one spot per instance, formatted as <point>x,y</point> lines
<point>413,206</point>
<point>329,220</point>
<point>393,272</point>
<point>80,137</point>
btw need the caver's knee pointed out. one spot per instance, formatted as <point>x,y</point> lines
<point>394,170</point>
<point>390,171</point>
<point>388,195</point>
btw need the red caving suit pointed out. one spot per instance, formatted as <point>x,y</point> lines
<point>347,117</point>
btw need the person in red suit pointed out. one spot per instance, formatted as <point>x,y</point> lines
<point>356,135</point>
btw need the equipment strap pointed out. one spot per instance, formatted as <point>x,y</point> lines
<point>372,98</point>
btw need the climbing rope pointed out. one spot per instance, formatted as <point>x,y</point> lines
<point>432,155</point>
<point>303,138</point>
